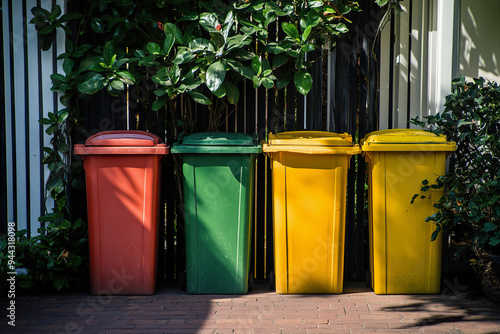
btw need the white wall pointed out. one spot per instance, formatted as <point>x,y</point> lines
<point>480,39</point>
<point>425,60</point>
<point>435,42</point>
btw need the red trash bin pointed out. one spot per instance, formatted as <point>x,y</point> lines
<point>122,171</point>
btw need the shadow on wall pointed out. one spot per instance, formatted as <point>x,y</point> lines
<point>479,47</point>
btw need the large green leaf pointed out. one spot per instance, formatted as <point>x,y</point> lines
<point>92,85</point>
<point>62,115</point>
<point>159,103</point>
<point>272,6</point>
<point>183,56</point>
<point>172,29</point>
<point>91,64</point>
<point>381,3</point>
<point>168,44</point>
<point>71,16</point>
<point>70,47</point>
<point>174,73</point>
<point>210,22</point>
<point>257,65</point>
<point>51,217</point>
<point>216,73</point>
<point>126,77</point>
<point>256,81</point>
<point>307,47</point>
<point>240,68</point>
<point>47,30</point>
<point>96,24</point>
<point>58,79</point>
<point>153,48</point>
<point>108,53</point>
<point>312,19</point>
<point>267,82</point>
<point>303,81</point>
<point>40,13</point>
<point>306,33</point>
<point>55,12</point>
<point>221,92</point>
<point>291,30</point>
<point>232,93</point>
<point>189,84</point>
<point>237,41</point>
<point>242,55</point>
<point>199,44</point>
<point>117,84</point>
<point>198,97</point>
<point>160,92</point>
<point>55,184</point>
<point>148,61</point>
<point>119,63</point>
<point>162,76</point>
<point>342,28</point>
<point>228,23</point>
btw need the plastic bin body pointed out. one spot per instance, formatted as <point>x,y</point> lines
<point>403,260</point>
<point>122,172</point>
<point>309,179</point>
<point>218,170</point>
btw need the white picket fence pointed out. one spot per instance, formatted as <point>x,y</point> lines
<point>28,97</point>
<point>424,63</point>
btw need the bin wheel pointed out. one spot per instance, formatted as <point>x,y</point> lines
<point>250,281</point>
<point>272,281</point>
<point>181,279</point>
<point>368,279</point>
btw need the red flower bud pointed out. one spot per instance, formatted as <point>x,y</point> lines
<point>218,27</point>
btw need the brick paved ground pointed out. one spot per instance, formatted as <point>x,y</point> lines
<point>357,310</point>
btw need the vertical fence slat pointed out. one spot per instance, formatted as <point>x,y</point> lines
<point>317,98</point>
<point>35,129</point>
<point>47,60</point>
<point>3,151</point>
<point>8,102</point>
<point>20,134</point>
<point>348,119</point>
<point>364,46</point>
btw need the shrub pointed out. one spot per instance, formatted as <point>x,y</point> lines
<point>57,257</point>
<point>470,209</point>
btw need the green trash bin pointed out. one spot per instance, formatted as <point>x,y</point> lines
<point>218,170</point>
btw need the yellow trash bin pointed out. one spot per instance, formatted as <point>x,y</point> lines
<point>403,260</point>
<point>309,178</point>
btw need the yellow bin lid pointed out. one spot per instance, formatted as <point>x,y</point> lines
<point>406,140</point>
<point>311,142</point>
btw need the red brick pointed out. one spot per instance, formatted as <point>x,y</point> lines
<point>287,321</point>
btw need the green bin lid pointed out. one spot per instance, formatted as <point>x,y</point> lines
<point>406,140</point>
<point>217,142</point>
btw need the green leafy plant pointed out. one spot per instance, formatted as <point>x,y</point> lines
<point>470,209</point>
<point>179,53</point>
<point>56,258</point>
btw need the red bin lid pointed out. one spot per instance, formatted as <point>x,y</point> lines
<point>123,138</point>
